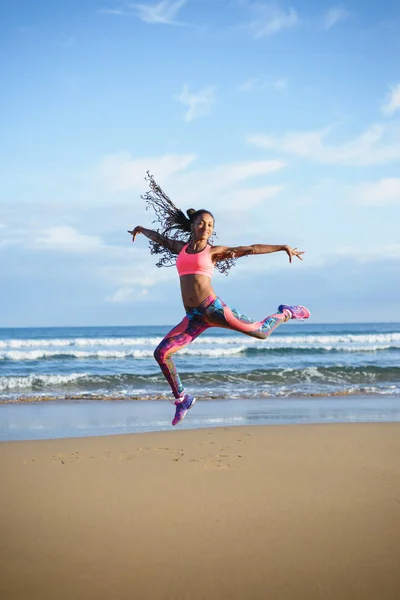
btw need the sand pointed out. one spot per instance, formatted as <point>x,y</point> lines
<point>288,512</point>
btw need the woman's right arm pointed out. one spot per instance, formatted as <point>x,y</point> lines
<point>173,245</point>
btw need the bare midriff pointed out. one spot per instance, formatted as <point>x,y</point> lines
<point>195,289</point>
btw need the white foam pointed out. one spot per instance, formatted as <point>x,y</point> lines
<point>280,341</point>
<point>31,355</point>
<point>80,342</point>
<point>215,352</point>
<point>28,381</point>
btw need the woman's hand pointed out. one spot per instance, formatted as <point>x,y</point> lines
<point>292,252</point>
<point>134,232</point>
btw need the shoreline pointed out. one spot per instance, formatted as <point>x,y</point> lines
<point>305,512</point>
<point>68,398</point>
<point>82,418</point>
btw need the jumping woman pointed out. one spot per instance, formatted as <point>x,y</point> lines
<point>186,242</point>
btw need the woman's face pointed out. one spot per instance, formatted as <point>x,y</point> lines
<point>203,227</point>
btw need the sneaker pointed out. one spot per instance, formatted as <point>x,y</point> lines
<point>297,312</point>
<point>182,407</point>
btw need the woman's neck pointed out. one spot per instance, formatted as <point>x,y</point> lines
<point>197,246</point>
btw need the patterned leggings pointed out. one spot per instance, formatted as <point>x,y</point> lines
<point>212,312</point>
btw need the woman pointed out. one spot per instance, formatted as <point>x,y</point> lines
<point>185,241</point>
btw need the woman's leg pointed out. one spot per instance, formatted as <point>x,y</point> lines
<point>219,314</point>
<point>179,337</point>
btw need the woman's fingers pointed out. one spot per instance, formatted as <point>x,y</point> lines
<point>294,252</point>
<point>134,232</point>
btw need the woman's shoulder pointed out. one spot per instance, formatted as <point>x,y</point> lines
<point>218,251</point>
<point>179,246</point>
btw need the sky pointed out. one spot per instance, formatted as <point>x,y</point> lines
<point>281,118</point>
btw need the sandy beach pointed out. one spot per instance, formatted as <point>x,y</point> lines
<point>288,512</point>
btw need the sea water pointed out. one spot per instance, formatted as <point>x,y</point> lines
<point>300,362</point>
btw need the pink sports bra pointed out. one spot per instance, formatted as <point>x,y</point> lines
<point>199,263</point>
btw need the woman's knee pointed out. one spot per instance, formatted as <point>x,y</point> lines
<point>159,353</point>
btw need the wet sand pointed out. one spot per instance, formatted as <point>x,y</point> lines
<point>277,512</point>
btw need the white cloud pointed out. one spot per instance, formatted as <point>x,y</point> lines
<point>305,143</point>
<point>222,184</point>
<point>279,84</point>
<point>246,199</point>
<point>67,239</point>
<point>334,15</point>
<point>250,85</point>
<point>258,84</point>
<point>270,19</point>
<point>134,280</point>
<point>115,11</point>
<point>393,100</point>
<point>230,186</point>
<point>126,294</point>
<point>363,254</point>
<point>376,145</point>
<point>224,176</point>
<point>119,172</point>
<point>199,104</point>
<point>382,192</point>
<point>138,272</point>
<point>163,12</point>
<point>227,189</point>
<point>7,242</point>
<point>10,236</point>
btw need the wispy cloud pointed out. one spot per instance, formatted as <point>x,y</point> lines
<point>120,172</point>
<point>134,280</point>
<point>228,184</point>
<point>10,236</point>
<point>279,84</point>
<point>270,19</point>
<point>67,239</point>
<point>333,15</point>
<point>392,102</point>
<point>127,294</point>
<point>378,144</point>
<point>300,143</point>
<point>116,11</point>
<point>164,12</point>
<point>378,193</point>
<point>258,84</point>
<point>369,254</point>
<point>233,173</point>
<point>198,103</point>
<point>253,197</point>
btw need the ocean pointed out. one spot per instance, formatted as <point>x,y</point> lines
<point>300,361</point>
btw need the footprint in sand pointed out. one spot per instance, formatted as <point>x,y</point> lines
<point>217,465</point>
<point>64,458</point>
<point>216,461</point>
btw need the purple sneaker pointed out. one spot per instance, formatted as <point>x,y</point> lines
<point>182,407</point>
<point>297,312</point>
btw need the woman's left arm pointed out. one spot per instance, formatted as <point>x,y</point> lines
<point>222,252</point>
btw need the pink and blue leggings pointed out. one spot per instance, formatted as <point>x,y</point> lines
<point>212,312</point>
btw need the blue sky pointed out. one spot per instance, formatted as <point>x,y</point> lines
<point>282,118</point>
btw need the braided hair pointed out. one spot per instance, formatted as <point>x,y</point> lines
<point>174,224</point>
